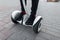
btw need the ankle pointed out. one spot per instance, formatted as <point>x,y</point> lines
<point>23,12</point>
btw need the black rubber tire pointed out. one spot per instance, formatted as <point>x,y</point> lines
<point>14,21</point>
<point>35,27</point>
<point>16,18</point>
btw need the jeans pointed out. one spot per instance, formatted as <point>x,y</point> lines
<point>33,8</point>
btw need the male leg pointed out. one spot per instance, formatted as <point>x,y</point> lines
<point>33,12</point>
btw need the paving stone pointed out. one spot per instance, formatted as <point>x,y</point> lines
<point>2,37</point>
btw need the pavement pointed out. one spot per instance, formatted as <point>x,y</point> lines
<point>11,31</point>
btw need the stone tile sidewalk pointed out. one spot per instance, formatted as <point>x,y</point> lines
<point>10,31</point>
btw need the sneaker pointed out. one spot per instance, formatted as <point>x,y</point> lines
<point>30,20</point>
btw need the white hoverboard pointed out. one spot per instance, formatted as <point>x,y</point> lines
<point>36,24</point>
